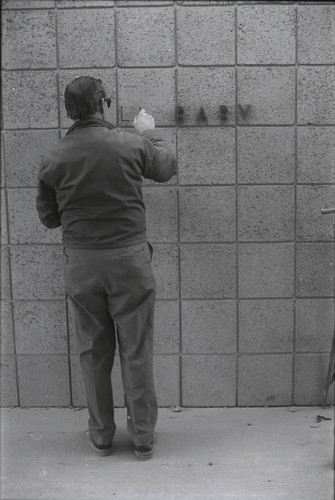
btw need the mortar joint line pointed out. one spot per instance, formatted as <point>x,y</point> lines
<point>57,70</point>
<point>295,207</point>
<point>116,55</point>
<point>67,317</point>
<point>178,206</point>
<point>10,277</point>
<point>236,208</point>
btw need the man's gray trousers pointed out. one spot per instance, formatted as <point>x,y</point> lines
<point>113,296</point>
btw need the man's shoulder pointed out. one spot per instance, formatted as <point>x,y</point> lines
<point>127,138</point>
<point>126,134</point>
<point>58,152</point>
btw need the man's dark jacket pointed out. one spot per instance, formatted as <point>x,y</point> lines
<point>90,184</point>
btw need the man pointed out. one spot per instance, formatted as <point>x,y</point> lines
<point>90,184</point>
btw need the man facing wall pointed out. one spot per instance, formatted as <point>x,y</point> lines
<point>90,184</point>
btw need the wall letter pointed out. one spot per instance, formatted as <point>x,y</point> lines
<point>180,114</point>
<point>201,117</point>
<point>223,112</point>
<point>244,110</point>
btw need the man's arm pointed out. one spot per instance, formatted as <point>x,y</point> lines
<point>47,206</point>
<point>160,163</point>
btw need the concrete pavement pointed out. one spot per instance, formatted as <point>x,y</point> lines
<point>202,453</point>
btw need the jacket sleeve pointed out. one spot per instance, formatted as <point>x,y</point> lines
<point>160,162</point>
<point>47,206</point>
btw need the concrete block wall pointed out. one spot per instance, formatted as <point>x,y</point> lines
<point>243,258</point>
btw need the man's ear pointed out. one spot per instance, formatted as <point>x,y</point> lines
<point>101,106</point>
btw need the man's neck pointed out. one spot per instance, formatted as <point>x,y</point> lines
<point>97,115</point>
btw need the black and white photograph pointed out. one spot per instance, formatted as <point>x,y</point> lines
<point>167,250</point>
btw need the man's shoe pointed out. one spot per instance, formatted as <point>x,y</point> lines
<point>147,450</point>
<point>102,450</point>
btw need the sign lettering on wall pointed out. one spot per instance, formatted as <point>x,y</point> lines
<point>200,117</point>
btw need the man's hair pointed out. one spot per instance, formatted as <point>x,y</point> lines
<point>83,97</point>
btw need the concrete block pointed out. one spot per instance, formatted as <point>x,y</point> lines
<point>107,76</point>
<point>146,37</point>
<point>208,271</point>
<point>166,339</point>
<point>208,380</point>
<point>316,41</point>
<point>315,155</point>
<point>72,328</point>
<point>316,95</point>
<point>266,213</point>
<point>265,380</point>
<point>77,384</point>
<point>270,92</point>
<point>209,326</point>
<point>24,224</point>
<point>2,169</point>
<point>165,267</point>
<point>4,218</point>
<point>266,270</point>
<point>266,155</point>
<point>5,273</point>
<point>33,95</point>
<point>266,34</point>
<point>8,384</point>
<point>43,380</point>
<point>23,4</point>
<point>65,4</point>
<point>208,88</point>
<point>35,47</point>
<point>166,375</point>
<point>144,88</point>
<point>310,379</point>
<point>314,325</point>
<point>7,331</point>
<point>206,156</point>
<point>311,224</point>
<point>142,3</point>
<point>189,3</point>
<point>207,214</point>
<point>266,326</point>
<point>78,390</point>
<point>205,36</point>
<point>37,272</point>
<point>96,48</point>
<point>24,151</point>
<point>40,327</point>
<point>315,270</point>
<point>161,213</point>
<point>248,2</point>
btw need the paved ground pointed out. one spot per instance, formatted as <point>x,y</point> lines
<point>222,453</point>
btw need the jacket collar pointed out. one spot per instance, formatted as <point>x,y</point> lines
<point>90,122</point>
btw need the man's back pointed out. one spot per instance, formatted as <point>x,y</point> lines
<point>96,175</point>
